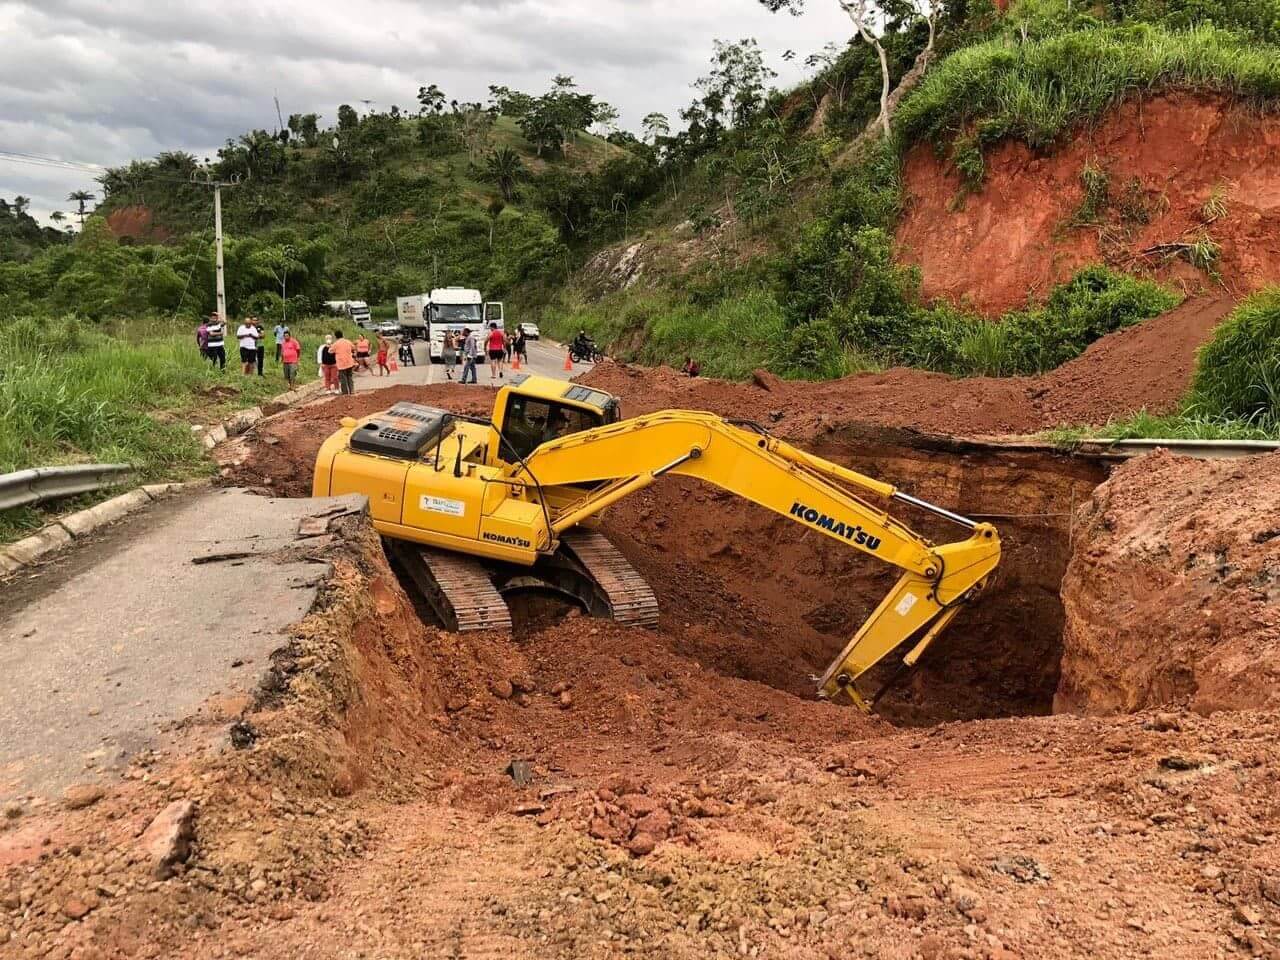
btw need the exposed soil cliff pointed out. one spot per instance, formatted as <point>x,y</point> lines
<point>1177,168</point>
<point>1173,590</point>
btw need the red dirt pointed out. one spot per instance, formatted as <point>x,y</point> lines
<point>672,814</point>
<point>1173,593</point>
<point>135,223</point>
<point>1012,239</point>
<point>1145,367</point>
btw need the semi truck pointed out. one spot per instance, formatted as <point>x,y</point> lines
<point>357,311</point>
<point>428,315</point>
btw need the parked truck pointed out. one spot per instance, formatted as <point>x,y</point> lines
<point>428,315</point>
<point>357,311</point>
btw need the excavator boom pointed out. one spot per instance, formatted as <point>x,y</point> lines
<point>744,459</point>
<point>504,495</point>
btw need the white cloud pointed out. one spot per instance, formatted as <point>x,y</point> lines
<point>104,83</point>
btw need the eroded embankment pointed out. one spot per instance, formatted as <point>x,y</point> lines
<point>1173,591</point>
<point>1178,168</point>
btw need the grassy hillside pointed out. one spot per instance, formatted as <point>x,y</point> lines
<point>781,242</point>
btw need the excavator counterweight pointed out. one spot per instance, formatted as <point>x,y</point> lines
<point>484,508</point>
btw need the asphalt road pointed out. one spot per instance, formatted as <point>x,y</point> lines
<point>546,358</point>
<point>105,647</point>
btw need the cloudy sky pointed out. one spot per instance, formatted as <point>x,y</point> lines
<point>104,81</point>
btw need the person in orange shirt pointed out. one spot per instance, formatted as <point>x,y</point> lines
<point>344,352</point>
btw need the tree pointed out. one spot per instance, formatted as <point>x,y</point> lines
<point>655,125</point>
<point>348,119</point>
<point>305,127</point>
<point>862,14</point>
<point>431,100</point>
<point>737,80</point>
<point>57,217</point>
<point>510,103</point>
<point>80,198</point>
<point>606,117</point>
<point>20,204</point>
<point>494,210</point>
<point>506,170</point>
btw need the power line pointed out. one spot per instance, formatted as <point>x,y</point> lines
<point>73,165</point>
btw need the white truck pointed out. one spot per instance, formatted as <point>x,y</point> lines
<point>429,315</point>
<point>357,311</point>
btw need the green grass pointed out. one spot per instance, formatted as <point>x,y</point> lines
<point>1038,91</point>
<point>730,338</point>
<point>1178,426</point>
<point>75,393</point>
<point>1238,371</point>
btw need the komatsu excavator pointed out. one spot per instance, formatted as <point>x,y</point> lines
<point>479,510</point>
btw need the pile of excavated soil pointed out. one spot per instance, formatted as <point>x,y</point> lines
<point>1144,367</point>
<point>1173,592</point>
<point>370,807</point>
<point>1013,238</point>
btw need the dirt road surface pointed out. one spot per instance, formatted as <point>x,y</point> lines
<point>101,650</point>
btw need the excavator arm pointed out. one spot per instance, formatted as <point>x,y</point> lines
<point>622,458</point>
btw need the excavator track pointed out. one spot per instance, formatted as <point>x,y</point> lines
<point>457,587</point>
<point>628,596</point>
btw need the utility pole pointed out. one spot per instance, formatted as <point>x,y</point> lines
<point>220,280</point>
<point>220,286</point>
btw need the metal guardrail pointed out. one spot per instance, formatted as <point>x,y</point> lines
<point>53,483</point>
<point>1204,449</point>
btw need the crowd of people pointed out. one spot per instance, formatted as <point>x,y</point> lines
<point>341,359</point>
<point>338,358</point>
<point>473,347</point>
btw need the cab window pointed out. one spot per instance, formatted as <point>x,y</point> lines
<point>530,423</point>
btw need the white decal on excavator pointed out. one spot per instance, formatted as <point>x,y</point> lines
<point>905,604</point>
<point>454,508</point>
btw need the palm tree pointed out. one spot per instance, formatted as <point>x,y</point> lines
<point>506,169</point>
<point>57,217</point>
<point>80,197</point>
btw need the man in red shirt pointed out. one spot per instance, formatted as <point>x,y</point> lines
<point>497,344</point>
<point>344,352</point>
<point>290,353</point>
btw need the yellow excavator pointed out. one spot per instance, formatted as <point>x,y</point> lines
<point>477,511</point>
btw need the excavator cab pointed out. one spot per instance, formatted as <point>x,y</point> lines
<point>532,411</point>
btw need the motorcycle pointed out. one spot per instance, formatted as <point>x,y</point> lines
<point>581,353</point>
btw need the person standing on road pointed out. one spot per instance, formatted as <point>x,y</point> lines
<point>328,365</point>
<point>470,354</point>
<point>202,339</point>
<point>449,353</point>
<point>344,355</point>
<point>217,351</point>
<point>262,343</point>
<point>362,353</point>
<point>247,337</point>
<point>384,347</point>
<point>497,341</point>
<point>290,354</point>
<point>509,342</point>
<point>520,347</point>
<point>278,336</point>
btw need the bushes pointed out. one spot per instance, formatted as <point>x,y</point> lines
<point>730,338</point>
<point>1238,371</point>
<point>1036,91</point>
